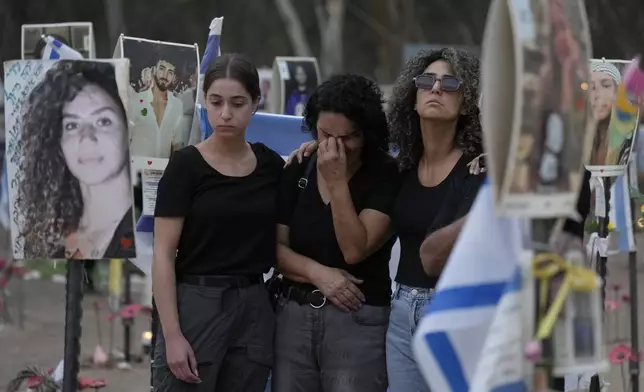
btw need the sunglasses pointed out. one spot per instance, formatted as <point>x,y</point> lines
<point>426,81</point>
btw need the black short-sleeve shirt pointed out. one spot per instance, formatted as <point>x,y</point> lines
<point>312,234</point>
<point>229,226</point>
<point>421,210</point>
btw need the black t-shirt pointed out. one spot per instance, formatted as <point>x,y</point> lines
<point>311,224</point>
<point>229,226</point>
<point>421,210</point>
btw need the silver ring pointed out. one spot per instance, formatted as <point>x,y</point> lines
<point>323,300</point>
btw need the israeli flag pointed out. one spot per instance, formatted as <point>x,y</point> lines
<point>56,50</point>
<point>620,215</point>
<point>212,51</point>
<point>450,337</point>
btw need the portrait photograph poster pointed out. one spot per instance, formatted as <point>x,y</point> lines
<point>77,35</point>
<point>68,160</point>
<point>613,142</point>
<point>539,124</point>
<point>294,80</point>
<point>162,94</point>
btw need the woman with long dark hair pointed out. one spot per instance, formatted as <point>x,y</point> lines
<point>74,197</point>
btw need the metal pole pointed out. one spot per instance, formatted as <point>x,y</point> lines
<point>634,365</point>
<point>73,327</point>
<point>127,323</point>
<point>154,323</point>
<point>602,271</point>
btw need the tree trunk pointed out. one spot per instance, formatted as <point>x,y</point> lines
<point>114,19</point>
<point>331,33</point>
<point>294,28</point>
<point>390,45</point>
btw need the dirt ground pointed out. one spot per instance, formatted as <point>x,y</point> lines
<point>41,341</point>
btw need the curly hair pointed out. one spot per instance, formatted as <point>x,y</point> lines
<point>360,101</point>
<point>404,122</point>
<point>49,201</point>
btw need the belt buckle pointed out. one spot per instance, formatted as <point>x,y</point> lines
<point>323,299</point>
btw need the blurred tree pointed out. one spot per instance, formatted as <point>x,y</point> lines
<point>361,36</point>
<point>330,17</point>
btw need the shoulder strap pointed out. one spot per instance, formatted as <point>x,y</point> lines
<point>304,180</point>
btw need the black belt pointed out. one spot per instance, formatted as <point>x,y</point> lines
<point>302,296</point>
<point>222,280</point>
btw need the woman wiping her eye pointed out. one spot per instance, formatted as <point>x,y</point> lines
<point>335,242</point>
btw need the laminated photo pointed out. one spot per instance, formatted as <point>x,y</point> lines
<point>294,80</point>
<point>617,119</point>
<point>162,94</point>
<point>68,166</point>
<point>539,127</point>
<point>77,35</point>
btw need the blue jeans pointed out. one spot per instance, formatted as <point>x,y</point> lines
<point>407,307</point>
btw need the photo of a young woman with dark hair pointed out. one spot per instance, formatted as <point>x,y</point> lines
<point>71,193</point>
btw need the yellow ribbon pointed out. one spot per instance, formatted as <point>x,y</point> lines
<point>546,266</point>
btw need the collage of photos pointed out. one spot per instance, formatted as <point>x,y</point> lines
<point>615,126</point>
<point>162,95</point>
<point>77,35</point>
<point>548,147</point>
<point>68,160</point>
<point>294,80</point>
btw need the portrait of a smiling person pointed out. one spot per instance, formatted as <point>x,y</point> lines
<point>74,196</point>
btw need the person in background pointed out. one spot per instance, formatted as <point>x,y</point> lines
<point>434,123</point>
<point>215,234</point>
<point>335,242</point>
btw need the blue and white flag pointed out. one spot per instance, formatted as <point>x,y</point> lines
<point>56,50</point>
<point>212,51</point>
<point>5,220</point>
<point>620,215</point>
<point>450,337</point>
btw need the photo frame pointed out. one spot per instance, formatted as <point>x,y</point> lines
<point>617,119</point>
<point>164,80</point>
<point>537,137</point>
<point>50,217</point>
<point>294,80</point>
<point>77,35</point>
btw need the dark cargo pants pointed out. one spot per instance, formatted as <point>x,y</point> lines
<point>329,350</point>
<point>230,331</point>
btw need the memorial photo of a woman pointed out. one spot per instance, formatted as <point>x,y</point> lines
<point>605,77</point>
<point>74,193</point>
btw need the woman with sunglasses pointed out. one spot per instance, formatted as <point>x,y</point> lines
<point>434,123</point>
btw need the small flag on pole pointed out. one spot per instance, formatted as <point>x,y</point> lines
<point>56,50</point>
<point>5,220</point>
<point>450,337</point>
<point>620,215</point>
<point>212,51</point>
